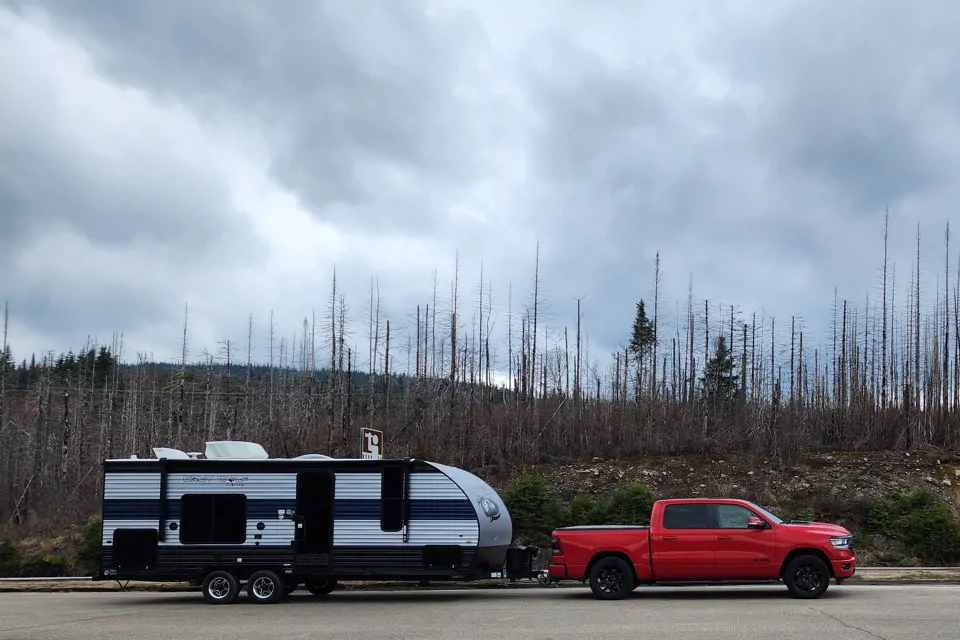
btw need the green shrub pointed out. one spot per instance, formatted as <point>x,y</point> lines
<point>629,504</point>
<point>534,508</point>
<point>921,522</point>
<point>581,510</point>
<point>87,557</point>
<point>10,559</point>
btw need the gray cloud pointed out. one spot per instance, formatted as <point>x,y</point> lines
<point>348,104</point>
<point>257,147</point>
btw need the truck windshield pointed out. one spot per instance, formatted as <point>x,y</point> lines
<point>767,514</point>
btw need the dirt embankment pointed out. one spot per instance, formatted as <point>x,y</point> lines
<point>838,487</point>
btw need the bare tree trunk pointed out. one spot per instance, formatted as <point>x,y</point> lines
<point>883,335</point>
<point>916,353</point>
<point>946,325</point>
<point>656,316</point>
<point>533,341</point>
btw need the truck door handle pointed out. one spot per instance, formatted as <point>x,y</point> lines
<point>669,538</point>
<point>724,537</point>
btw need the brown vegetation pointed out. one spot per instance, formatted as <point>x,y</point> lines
<point>888,379</point>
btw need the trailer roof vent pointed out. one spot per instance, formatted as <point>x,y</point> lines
<point>169,453</point>
<point>235,449</point>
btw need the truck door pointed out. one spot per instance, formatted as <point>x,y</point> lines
<point>683,548</point>
<point>743,553</point>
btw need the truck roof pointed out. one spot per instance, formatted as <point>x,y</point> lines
<point>701,500</point>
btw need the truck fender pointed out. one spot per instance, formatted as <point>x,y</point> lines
<point>803,552</point>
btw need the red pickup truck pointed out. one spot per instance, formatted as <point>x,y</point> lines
<point>704,540</point>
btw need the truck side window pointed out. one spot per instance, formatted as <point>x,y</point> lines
<point>733,516</point>
<point>687,516</point>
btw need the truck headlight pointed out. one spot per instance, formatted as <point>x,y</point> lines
<point>842,542</point>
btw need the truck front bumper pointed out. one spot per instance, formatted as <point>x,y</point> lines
<point>844,568</point>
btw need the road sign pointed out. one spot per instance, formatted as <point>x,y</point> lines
<point>371,444</point>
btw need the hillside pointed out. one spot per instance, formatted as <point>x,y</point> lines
<point>858,490</point>
<point>837,487</point>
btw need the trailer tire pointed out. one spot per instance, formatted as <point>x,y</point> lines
<point>806,576</point>
<point>220,587</point>
<point>265,587</point>
<point>611,578</point>
<point>321,588</point>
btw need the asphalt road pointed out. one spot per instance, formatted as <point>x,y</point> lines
<point>847,612</point>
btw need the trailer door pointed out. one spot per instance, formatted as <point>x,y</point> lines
<point>315,490</point>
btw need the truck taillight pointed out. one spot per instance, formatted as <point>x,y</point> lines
<point>555,547</point>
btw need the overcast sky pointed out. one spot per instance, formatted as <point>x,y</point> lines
<point>229,154</point>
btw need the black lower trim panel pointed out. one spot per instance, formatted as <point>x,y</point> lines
<point>181,563</point>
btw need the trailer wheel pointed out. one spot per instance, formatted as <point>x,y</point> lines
<point>220,587</point>
<point>611,579</point>
<point>322,587</point>
<point>265,587</point>
<point>807,577</point>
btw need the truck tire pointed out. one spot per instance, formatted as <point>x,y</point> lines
<point>220,587</point>
<point>806,576</point>
<point>265,587</point>
<point>611,578</point>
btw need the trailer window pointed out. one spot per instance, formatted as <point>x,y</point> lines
<point>687,516</point>
<point>391,499</point>
<point>210,518</point>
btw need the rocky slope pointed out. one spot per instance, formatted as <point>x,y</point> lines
<point>838,487</point>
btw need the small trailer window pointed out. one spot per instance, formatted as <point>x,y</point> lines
<point>210,518</point>
<point>391,498</point>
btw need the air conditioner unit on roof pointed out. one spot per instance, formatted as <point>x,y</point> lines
<point>235,449</point>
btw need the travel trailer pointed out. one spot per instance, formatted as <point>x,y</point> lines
<point>236,516</point>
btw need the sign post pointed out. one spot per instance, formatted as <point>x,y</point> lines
<point>371,444</point>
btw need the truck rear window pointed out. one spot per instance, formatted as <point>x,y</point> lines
<point>687,516</point>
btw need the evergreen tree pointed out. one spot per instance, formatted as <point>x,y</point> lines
<point>643,336</point>
<point>641,342</point>
<point>720,380</point>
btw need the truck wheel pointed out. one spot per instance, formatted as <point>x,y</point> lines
<point>806,576</point>
<point>611,579</point>
<point>321,588</point>
<point>220,587</point>
<point>265,587</point>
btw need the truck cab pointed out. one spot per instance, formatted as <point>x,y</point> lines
<point>704,540</point>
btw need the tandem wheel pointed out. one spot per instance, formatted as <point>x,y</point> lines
<point>220,587</point>
<point>265,587</point>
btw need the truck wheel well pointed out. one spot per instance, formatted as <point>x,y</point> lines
<point>610,554</point>
<point>803,552</point>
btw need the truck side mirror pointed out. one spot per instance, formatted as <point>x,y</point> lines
<point>755,523</point>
